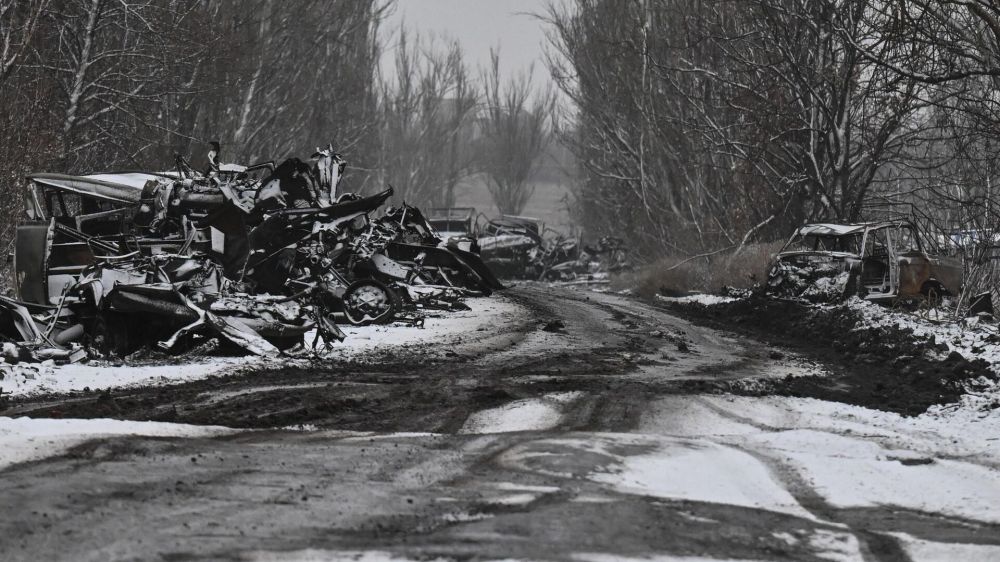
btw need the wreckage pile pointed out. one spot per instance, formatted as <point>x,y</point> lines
<point>520,247</point>
<point>256,257</point>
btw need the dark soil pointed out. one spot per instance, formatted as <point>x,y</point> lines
<point>436,388</point>
<point>882,368</point>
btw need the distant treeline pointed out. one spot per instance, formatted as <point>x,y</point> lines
<point>705,124</point>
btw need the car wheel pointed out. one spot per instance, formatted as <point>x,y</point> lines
<point>370,302</point>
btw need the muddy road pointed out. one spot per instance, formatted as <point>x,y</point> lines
<point>583,427</point>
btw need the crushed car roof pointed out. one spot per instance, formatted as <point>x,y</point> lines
<point>123,187</point>
<point>832,229</point>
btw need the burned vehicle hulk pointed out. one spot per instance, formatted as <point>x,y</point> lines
<point>255,256</point>
<point>455,225</point>
<point>509,244</point>
<point>878,261</point>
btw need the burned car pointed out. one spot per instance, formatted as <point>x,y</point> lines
<point>256,256</point>
<point>509,244</point>
<point>878,261</point>
<point>456,226</point>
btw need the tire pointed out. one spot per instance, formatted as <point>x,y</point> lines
<point>933,292</point>
<point>370,302</point>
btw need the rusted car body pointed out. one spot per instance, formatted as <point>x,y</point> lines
<point>878,261</point>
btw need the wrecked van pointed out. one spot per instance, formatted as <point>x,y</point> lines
<point>878,261</point>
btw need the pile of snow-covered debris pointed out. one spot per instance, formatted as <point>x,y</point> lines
<point>254,258</point>
<point>974,338</point>
<point>922,351</point>
<point>440,331</point>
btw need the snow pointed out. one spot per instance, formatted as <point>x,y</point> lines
<point>838,546</point>
<point>45,378</point>
<point>316,555</point>
<point>700,470</point>
<point>486,314</point>
<point>660,466</point>
<point>28,439</point>
<point>699,298</point>
<point>970,337</point>
<point>534,414</point>
<point>926,551</point>
<point>852,456</point>
<point>852,472</point>
<point>600,557</point>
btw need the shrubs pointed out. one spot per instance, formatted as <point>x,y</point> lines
<point>675,274</point>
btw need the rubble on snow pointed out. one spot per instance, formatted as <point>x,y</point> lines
<point>256,257</point>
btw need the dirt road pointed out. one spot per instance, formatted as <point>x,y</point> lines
<point>571,431</point>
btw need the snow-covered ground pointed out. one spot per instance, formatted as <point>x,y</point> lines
<point>44,378</point>
<point>533,414</point>
<point>768,453</point>
<point>448,327</point>
<point>443,328</point>
<point>853,457</point>
<point>28,439</point>
<point>971,337</point>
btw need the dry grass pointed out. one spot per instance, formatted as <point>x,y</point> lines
<point>743,271</point>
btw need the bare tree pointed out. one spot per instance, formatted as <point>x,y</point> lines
<point>112,63</point>
<point>90,85</point>
<point>426,118</point>
<point>281,78</point>
<point>706,124</point>
<point>24,140</point>
<point>516,130</point>
<point>18,23</point>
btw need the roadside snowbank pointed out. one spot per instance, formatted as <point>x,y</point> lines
<point>970,337</point>
<point>28,439</point>
<point>34,379</point>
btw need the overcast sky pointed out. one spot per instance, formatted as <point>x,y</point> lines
<point>479,25</point>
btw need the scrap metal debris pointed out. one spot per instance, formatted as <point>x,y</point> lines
<point>255,257</point>
<point>522,247</point>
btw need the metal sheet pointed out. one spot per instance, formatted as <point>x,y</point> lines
<point>121,188</point>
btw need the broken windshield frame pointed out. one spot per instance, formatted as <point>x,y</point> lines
<point>849,243</point>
